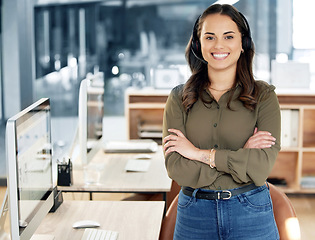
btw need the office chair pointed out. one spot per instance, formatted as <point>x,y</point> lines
<point>287,222</point>
<point>283,210</point>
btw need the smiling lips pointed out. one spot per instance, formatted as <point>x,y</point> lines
<point>220,56</point>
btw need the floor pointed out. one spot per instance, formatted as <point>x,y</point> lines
<point>305,210</point>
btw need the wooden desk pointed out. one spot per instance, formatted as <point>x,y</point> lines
<point>133,220</point>
<point>114,178</point>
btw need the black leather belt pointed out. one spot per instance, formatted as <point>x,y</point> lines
<point>222,194</point>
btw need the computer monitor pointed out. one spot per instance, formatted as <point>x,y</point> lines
<point>29,168</point>
<point>82,121</point>
<point>90,115</point>
<point>290,74</point>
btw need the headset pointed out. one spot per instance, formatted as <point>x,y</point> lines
<point>196,47</point>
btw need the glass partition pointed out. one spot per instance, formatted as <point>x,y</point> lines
<point>129,40</point>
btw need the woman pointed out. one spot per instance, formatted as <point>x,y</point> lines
<point>221,134</point>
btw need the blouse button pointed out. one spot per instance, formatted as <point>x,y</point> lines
<point>218,107</point>
<point>215,125</point>
<point>216,146</point>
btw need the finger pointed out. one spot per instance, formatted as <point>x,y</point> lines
<point>165,147</point>
<point>262,138</point>
<point>258,142</point>
<point>263,133</point>
<point>169,150</point>
<point>169,144</point>
<point>267,143</point>
<point>176,131</point>
<point>166,139</point>
<point>169,138</point>
<point>264,144</point>
<point>255,130</point>
<point>261,146</point>
<point>266,138</point>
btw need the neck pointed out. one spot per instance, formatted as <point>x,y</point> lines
<point>221,81</point>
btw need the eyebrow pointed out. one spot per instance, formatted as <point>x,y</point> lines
<point>228,32</point>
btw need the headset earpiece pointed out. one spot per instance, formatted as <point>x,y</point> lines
<point>246,38</point>
<point>195,43</point>
<point>246,43</point>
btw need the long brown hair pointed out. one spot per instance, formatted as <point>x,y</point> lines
<point>198,81</point>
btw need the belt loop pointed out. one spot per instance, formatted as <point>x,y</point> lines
<point>194,194</point>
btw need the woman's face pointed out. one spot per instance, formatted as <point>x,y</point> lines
<point>221,42</point>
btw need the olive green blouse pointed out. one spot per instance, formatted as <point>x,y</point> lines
<point>215,126</point>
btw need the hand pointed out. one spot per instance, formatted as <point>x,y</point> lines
<point>260,139</point>
<point>177,142</point>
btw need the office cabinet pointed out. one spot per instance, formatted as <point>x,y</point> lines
<point>144,112</point>
<point>294,169</point>
<point>296,161</point>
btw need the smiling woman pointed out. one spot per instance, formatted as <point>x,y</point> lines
<point>221,46</point>
<point>221,133</point>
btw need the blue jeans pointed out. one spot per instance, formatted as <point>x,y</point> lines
<point>243,217</point>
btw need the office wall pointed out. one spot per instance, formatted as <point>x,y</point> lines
<point>17,55</point>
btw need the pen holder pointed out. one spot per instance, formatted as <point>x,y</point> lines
<point>65,173</point>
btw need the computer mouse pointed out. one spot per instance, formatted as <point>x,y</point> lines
<point>143,156</point>
<point>86,224</point>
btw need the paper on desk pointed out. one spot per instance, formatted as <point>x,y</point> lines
<point>137,165</point>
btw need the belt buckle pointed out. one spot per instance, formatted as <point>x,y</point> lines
<point>225,198</point>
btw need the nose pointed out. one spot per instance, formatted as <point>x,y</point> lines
<point>218,43</point>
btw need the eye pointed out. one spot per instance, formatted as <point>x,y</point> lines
<point>229,37</point>
<point>210,38</point>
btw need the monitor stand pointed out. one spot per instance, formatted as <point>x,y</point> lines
<point>42,237</point>
<point>4,211</point>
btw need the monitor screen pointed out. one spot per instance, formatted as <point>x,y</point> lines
<point>90,116</point>
<point>29,168</point>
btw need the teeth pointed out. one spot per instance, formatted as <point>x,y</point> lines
<point>221,55</point>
